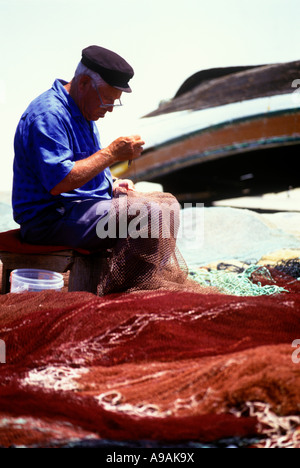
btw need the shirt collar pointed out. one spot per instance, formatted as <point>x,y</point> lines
<point>64,96</point>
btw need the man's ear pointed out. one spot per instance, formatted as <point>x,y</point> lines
<point>84,83</point>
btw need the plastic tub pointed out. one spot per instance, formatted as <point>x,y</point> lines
<point>35,281</point>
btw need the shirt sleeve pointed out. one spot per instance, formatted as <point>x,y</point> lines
<point>51,154</point>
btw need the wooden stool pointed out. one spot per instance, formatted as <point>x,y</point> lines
<point>86,269</point>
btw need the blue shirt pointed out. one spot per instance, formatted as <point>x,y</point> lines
<point>51,136</point>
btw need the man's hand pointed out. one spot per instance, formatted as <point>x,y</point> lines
<point>122,149</point>
<point>123,186</point>
<point>126,148</point>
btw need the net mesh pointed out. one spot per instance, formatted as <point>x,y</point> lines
<point>289,267</point>
<point>240,282</point>
<point>172,361</point>
<point>151,365</point>
<point>145,256</point>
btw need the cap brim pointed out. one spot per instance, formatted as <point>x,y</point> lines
<point>124,90</point>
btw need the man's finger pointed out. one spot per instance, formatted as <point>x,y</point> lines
<point>138,140</point>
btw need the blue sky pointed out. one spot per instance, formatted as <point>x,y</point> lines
<point>165,41</point>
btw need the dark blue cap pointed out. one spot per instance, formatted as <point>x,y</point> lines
<point>110,66</point>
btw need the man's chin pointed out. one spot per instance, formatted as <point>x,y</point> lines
<point>94,119</point>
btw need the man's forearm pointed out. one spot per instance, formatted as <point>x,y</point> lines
<point>122,149</point>
<point>84,171</point>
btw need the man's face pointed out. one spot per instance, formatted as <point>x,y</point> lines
<point>91,98</point>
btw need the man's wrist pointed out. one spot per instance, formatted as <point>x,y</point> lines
<point>108,156</point>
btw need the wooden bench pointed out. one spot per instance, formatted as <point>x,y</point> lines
<point>85,269</point>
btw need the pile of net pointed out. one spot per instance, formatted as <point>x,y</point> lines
<point>240,282</point>
<point>142,231</point>
<point>161,366</point>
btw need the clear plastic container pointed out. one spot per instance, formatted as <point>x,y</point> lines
<point>35,281</point>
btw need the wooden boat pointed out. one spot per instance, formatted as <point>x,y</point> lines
<point>226,133</point>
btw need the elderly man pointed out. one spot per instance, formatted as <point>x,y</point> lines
<point>60,170</point>
<point>63,186</point>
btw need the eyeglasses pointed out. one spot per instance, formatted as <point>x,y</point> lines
<point>106,105</point>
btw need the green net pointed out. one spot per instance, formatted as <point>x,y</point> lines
<point>237,284</point>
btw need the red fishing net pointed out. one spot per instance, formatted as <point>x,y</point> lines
<point>145,256</point>
<point>151,365</point>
